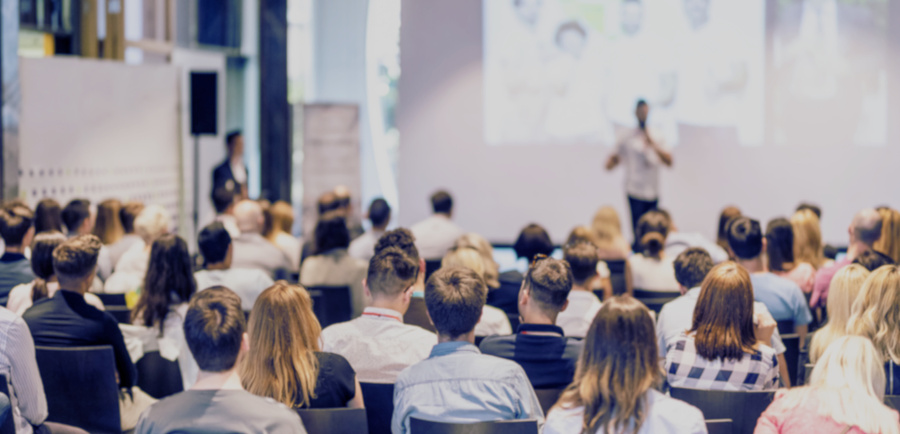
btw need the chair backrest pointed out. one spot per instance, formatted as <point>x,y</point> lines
<point>122,314</point>
<point>80,384</point>
<point>786,326</point>
<point>421,426</point>
<point>791,355</point>
<point>331,304</point>
<point>719,426</point>
<point>617,276</point>
<point>892,401</point>
<point>655,300</point>
<point>807,371</point>
<point>417,314</point>
<point>111,299</point>
<point>334,420</point>
<point>157,376</point>
<point>379,402</point>
<point>743,408</point>
<point>548,397</point>
<point>7,424</point>
<point>431,265</point>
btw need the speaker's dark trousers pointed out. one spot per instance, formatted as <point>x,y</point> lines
<point>639,207</point>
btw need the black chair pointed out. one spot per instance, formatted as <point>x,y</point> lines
<point>111,299</point>
<point>802,361</point>
<point>617,276</point>
<point>431,265</point>
<point>379,402</point>
<point>892,401</point>
<point>791,355</point>
<point>80,384</point>
<point>548,398</point>
<point>807,371</point>
<point>786,326</point>
<point>655,300</point>
<point>417,314</point>
<point>334,420</point>
<point>115,304</point>
<point>157,376</point>
<point>421,426</point>
<point>743,408</point>
<point>506,298</point>
<point>7,424</point>
<point>331,304</point>
<point>719,426</point>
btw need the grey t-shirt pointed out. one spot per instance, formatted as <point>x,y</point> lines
<point>218,411</point>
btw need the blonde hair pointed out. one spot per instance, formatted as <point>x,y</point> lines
<point>842,292</point>
<point>807,238</point>
<point>108,225</point>
<point>848,387</point>
<point>280,219</point>
<point>465,257</point>
<point>889,243</point>
<point>608,230</point>
<point>152,223</point>
<point>284,336</point>
<point>876,312</point>
<point>484,248</point>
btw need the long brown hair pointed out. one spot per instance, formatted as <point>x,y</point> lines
<point>48,216</point>
<point>281,216</point>
<point>889,243</point>
<point>42,261</point>
<point>108,225</point>
<point>617,367</point>
<point>728,214</point>
<point>723,318</point>
<point>284,336</point>
<point>169,280</point>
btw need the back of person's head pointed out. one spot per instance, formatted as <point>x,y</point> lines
<point>582,258</point>
<point>76,259</point>
<point>169,280</point>
<point>723,317</point>
<point>328,202</point>
<point>128,214</point>
<point>866,227</point>
<point>692,266</point>
<point>213,242</point>
<point>391,272</point>
<point>876,311</point>
<point>484,248</point>
<point>780,245</point>
<point>284,336</point>
<point>15,223</point>
<point>231,138</point>
<point>331,233</point>
<point>48,216</point>
<point>343,195</point>
<point>651,232</point>
<point>153,222</point>
<point>807,233</point>
<point>842,292</point>
<point>745,238</point>
<point>873,260</point>
<point>617,367</point>
<point>465,257</point>
<point>813,208</point>
<point>455,297</point>
<point>379,213</point>
<point>581,234</point>
<point>441,202</point>
<point>42,261</point>
<point>889,242</point>
<point>606,222</point>
<point>248,214</point>
<point>223,198</point>
<point>549,282</point>
<point>108,225</point>
<point>532,241</point>
<point>400,238</point>
<point>728,215</point>
<point>214,328</point>
<point>282,215</point>
<point>75,213</point>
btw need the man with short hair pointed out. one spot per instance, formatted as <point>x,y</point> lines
<point>251,250</point>
<point>232,173</point>
<point>128,213</point>
<point>378,344</point>
<point>539,345</point>
<point>865,230</point>
<point>17,230</point>
<point>78,218</point>
<point>436,234</point>
<point>363,247</point>
<point>214,328</point>
<point>575,321</point>
<point>223,201</point>
<point>215,245</point>
<point>457,383</point>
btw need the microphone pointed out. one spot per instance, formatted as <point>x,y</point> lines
<point>643,125</point>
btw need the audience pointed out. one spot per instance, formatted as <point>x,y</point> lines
<point>436,234</point>
<point>608,228</point>
<point>17,231</point>
<point>79,220</point>
<point>153,222</point>
<point>727,345</point>
<point>215,245</point>
<point>583,305</point>
<point>251,250</point>
<point>889,243</point>
<point>284,362</point>
<point>224,200</point>
<point>844,289</point>
<point>540,346</point>
<point>808,245</point>
<point>404,240</point>
<point>865,231</point>
<point>379,215</point>
<point>48,216</point>
<point>345,209</point>
<point>615,383</point>
<point>217,402</point>
<point>651,268</point>
<point>127,215</point>
<point>378,344</point>
<point>728,215</point>
<point>873,260</point>
<point>493,320</point>
<point>874,316</point>
<point>845,394</point>
<point>327,206</point>
<point>279,232</point>
<point>332,265</point>
<point>457,383</point>
<point>677,242</point>
<point>486,250</point>
<point>108,226</point>
<point>532,241</point>
<point>780,254</point>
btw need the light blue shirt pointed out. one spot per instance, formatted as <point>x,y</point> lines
<point>663,415</point>
<point>783,298</point>
<point>459,384</point>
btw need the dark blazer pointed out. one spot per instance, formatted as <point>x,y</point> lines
<point>222,174</point>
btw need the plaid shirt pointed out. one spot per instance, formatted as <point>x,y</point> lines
<point>757,370</point>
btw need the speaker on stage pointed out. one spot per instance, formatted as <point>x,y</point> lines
<point>204,103</point>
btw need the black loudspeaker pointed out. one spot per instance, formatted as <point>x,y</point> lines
<point>204,100</point>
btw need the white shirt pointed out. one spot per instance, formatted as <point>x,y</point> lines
<point>247,283</point>
<point>677,242</point>
<point>378,344</point>
<point>494,322</point>
<point>663,415</point>
<point>677,316</point>
<point>130,270</point>
<point>435,236</point>
<point>578,316</point>
<point>239,171</point>
<point>651,274</point>
<point>641,163</point>
<point>230,224</point>
<point>291,247</point>
<point>363,247</point>
<point>172,345</point>
<point>20,297</point>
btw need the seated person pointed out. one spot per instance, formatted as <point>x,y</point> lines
<point>214,329</point>
<point>280,222</point>
<point>153,222</point>
<point>127,215</point>
<point>404,240</point>
<point>363,247</point>
<point>652,269</point>
<point>214,243</point>
<point>79,220</point>
<point>331,265</point>
<point>493,322</point>
<point>621,335</point>
<point>533,240</point>
<point>583,304</point>
<point>457,383</point>
<point>17,230</point>
<point>780,255</point>
<point>284,362</point>
<point>17,360</point>
<point>378,344</point>
<point>873,316</point>
<point>251,249</point>
<point>539,345</point>
<point>842,293</point>
<point>727,346</point>
<point>436,234</point>
<point>677,242</point>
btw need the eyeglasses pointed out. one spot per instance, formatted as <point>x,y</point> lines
<point>537,258</point>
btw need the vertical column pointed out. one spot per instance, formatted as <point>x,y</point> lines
<point>275,113</point>
<point>12,99</point>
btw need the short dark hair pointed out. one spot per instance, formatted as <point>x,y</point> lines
<point>214,328</point>
<point>441,202</point>
<point>75,213</point>
<point>76,258</point>
<point>780,244</point>
<point>872,259</point>
<point>582,258</point>
<point>549,281</point>
<point>651,232</point>
<point>379,212</point>
<point>640,103</point>
<point>48,216</point>
<point>213,242</point>
<point>15,221</point>
<point>745,238</point>
<point>692,266</point>
<point>811,207</point>
<point>328,202</point>
<point>533,240</point>
<point>233,134</point>
<point>129,211</point>
<point>331,233</point>
<point>223,197</point>
<point>455,297</point>
<point>401,238</point>
<point>391,272</point>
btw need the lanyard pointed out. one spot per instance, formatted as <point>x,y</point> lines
<point>381,315</point>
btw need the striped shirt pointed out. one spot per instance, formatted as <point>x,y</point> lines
<point>19,365</point>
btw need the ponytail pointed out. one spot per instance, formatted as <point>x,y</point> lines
<point>652,244</point>
<point>39,289</point>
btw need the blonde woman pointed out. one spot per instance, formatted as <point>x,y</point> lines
<point>281,222</point>
<point>608,230</point>
<point>845,395</point>
<point>844,288</point>
<point>808,238</point>
<point>153,222</point>
<point>876,315</point>
<point>486,250</point>
<point>284,362</point>
<point>493,321</point>
<point>889,243</point>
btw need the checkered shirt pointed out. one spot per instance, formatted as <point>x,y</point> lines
<point>757,370</point>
